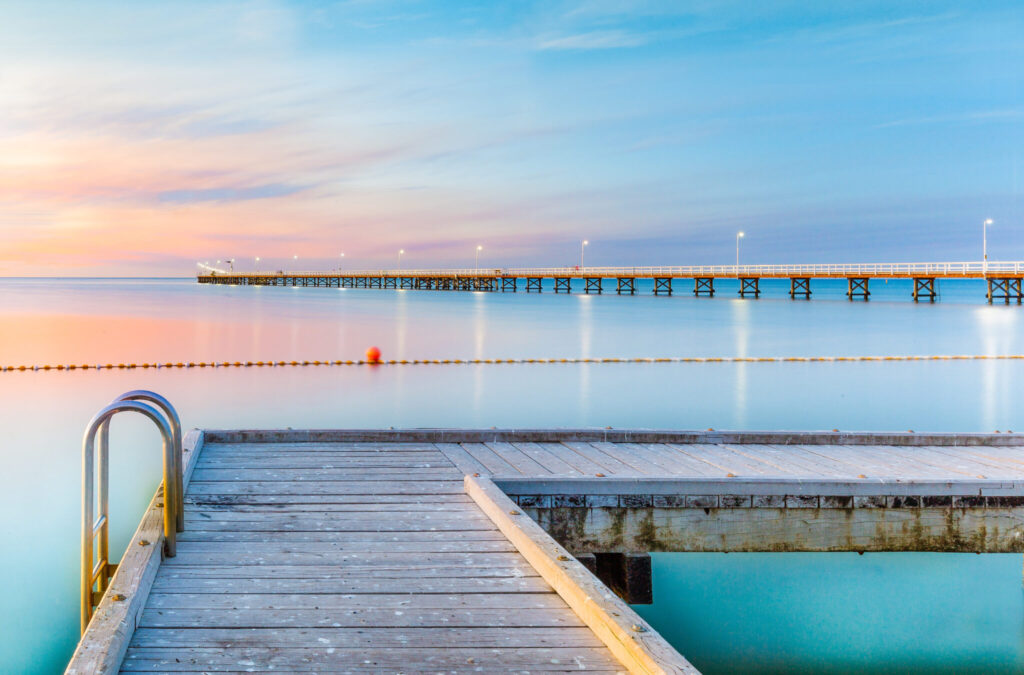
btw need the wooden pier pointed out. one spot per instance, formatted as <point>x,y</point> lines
<point>1003,279</point>
<point>430,550</point>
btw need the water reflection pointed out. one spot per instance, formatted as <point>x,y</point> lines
<point>107,321</point>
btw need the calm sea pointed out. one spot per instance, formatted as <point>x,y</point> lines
<point>729,613</point>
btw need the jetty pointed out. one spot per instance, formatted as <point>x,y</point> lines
<point>490,550</point>
<point>1003,279</point>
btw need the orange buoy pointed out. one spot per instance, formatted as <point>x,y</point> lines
<point>373,355</point>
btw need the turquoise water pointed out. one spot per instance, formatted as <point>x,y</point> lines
<point>841,613</point>
<point>43,414</point>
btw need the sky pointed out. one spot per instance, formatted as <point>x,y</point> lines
<point>140,138</point>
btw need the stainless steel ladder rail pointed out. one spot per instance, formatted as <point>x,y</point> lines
<point>97,573</point>
<point>172,417</point>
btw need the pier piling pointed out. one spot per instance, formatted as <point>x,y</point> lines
<point>704,286</point>
<point>857,287</point>
<point>800,286</point>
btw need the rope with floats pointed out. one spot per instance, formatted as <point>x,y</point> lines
<point>528,361</point>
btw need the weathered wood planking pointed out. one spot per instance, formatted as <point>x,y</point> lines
<point>370,660</point>
<point>719,460</point>
<point>361,551</point>
<point>356,557</point>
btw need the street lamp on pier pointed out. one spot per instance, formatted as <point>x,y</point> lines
<point>257,264</point>
<point>401,252</point>
<point>478,249</point>
<point>342,256</point>
<point>984,245</point>
<point>739,235</point>
<point>583,245</point>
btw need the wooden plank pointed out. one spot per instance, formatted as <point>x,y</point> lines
<point>520,580</point>
<point>270,515</point>
<point>395,545</point>
<point>574,459</point>
<point>458,456</point>
<point>782,461</point>
<point>326,488</point>
<point>637,456</point>
<point>610,464</point>
<point>699,454</point>
<point>360,538</point>
<point>549,460</point>
<point>724,456</point>
<point>686,465</point>
<point>494,464</point>
<point>994,456</point>
<point>207,475</point>
<point>346,449</point>
<point>342,559</point>
<point>365,509</point>
<point>390,571</point>
<point>858,464</point>
<point>349,449</point>
<point>103,645</point>
<point>354,617</point>
<point>630,639</point>
<point>974,466</point>
<point>332,659</point>
<point>887,464</point>
<point>290,523</point>
<point>824,466</point>
<point>523,463</point>
<point>259,602</point>
<point>299,461</point>
<point>367,637</point>
<point>354,499</point>
<point>628,455</point>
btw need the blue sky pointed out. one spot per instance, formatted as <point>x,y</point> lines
<point>842,131</point>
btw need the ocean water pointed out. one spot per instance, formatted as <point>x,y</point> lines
<point>841,613</point>
<point>61,321</point>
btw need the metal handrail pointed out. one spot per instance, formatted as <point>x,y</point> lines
<point>97,573</point>
<point>172,416</point>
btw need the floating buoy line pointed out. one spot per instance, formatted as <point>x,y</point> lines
<point>433,362</point>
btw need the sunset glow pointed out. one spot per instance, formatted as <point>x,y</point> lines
<point>135,141</point>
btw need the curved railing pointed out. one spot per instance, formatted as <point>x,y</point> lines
<point>175,421</point>
<point>96,569</point>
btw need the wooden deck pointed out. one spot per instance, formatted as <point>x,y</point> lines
<point>393,551</point>
<point>356,556</point>
<point>730,460</point>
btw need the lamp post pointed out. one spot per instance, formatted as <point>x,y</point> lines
<point>478,249</point>
<point>583,245</point>
<point>257,264</point>
<point>739,235</point>
<point>984,245</point>
<point>342,256</point>
<point>401,252</point>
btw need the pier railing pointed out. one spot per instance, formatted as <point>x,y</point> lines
<point>972,269</point>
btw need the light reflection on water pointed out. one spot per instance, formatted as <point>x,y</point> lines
<point>101,321</point>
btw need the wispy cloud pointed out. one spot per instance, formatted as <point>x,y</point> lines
<point>973,117</point>
<point>599,39</point>
<point>225,194</point>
